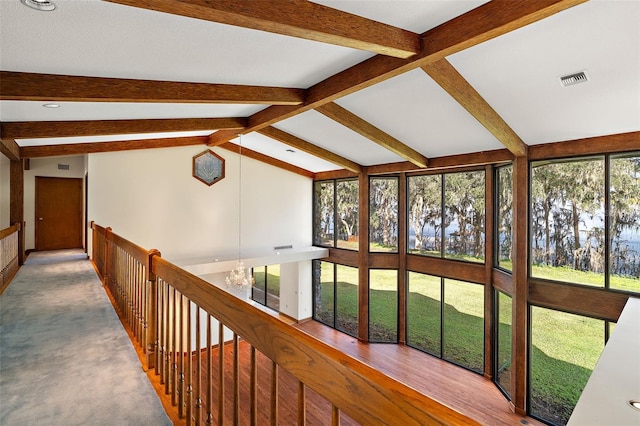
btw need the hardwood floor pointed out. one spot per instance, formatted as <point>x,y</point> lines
<point>469,393</point>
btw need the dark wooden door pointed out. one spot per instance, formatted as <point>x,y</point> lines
<point>58,213</point>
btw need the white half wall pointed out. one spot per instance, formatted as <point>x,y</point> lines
<point>4,192</point>
<point>151,198</point>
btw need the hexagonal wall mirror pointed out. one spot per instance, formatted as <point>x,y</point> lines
<point>208,167</point>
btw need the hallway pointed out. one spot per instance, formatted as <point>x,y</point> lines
<point>65,358</point>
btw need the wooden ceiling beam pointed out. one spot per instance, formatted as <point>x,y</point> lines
<point>369,131</point>
<point>67,88</point>
<point>302,145</point>
<point>49,129</point>
<point>620,142</point>
<point>97,147</point>
<point>9,148</point>
<point>483,23</point>
<point>246,152</point>
<point>302,19</point>
<point>443,73</point>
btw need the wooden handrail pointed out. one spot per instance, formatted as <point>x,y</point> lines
<point>9,255</point>
<point>363,393</point>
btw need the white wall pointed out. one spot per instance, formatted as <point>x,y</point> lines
<point>4,191</point>
<point>45,167</point>
<point>150,198</point>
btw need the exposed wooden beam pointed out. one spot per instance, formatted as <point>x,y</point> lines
<point>483,23</point>
<point>596,145</point>
<point>222,136</point>
<point>443,73</point>
<point>9,148</point>
<point>246,152</point>
<point>369,131</point>
<point>310,148</point>
<point>95,147</point>
<point>68,88</point>
<point>295,18</point>
<point>48,129</point>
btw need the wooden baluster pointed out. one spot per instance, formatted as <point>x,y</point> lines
<point>190,353</point>
<point>220,373</point>
<point>198,387</point>
<point>181,361</point>
<point>174,349</point>
<point>236,379</point>
<point>167,351</point>
<point>253,387</point>
<point>335,416</point>
<point>161,326</point>
<point>274,393</point>
<point>302,410</point>
<point>209,382</point>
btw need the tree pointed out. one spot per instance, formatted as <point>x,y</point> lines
<point>425,209</point>
<point>347,208</point>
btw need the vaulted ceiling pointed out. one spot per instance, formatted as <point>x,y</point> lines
<point>320,85</point>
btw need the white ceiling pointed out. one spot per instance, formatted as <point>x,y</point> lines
<point>517,74</point>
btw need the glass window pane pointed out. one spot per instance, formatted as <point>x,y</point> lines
<point>463,328</point>
<point>425,215</point>
<point>347,209</point>
<point>624,223</point>
<point>258,289</point>
<point>323,291</point>
<point>503,336</point>
<point>383,306</point>
<point>323,213</point>
<point>464,195</point>
<point>383,215</point>
<point>567,221</point>
<point>561,362</point>
<point>273,287</point>
<point>505,216</point>
<point>423,313</point>
<point>347,299</point>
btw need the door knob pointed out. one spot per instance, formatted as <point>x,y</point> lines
<point>39,218</point>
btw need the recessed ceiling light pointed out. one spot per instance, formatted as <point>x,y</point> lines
<point>45,5</point>
<point>290,150</point>
<point>51,105</point>
<point>635,404</point>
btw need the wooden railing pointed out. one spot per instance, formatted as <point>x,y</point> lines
<point>8,255</point>
<point>178,320</point>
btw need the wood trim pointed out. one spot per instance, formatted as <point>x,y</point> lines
<point>620,142</point>
<point>9,230</point>
<point>8,147</point>
<point>454,269</point>
<point>576,299</point>
<point>302,145</point>
<point>519,299</point>
<point>336,174</point>
<point>384,260</point>
<point>49,129</point>
<point>342,257</point>
<point>369,131</point>
<point>69,88</point>
<point>443,73</point>
<point>489,238</point>
<point>363,258</point>
<point>502,281</point>
<point>246,152</point>
<point>97,147</point>
<point>297,19</point>
<point>16,203</point>
<point>140,254</point>
<point>483,23</point>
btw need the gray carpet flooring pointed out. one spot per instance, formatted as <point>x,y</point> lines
<point>65,358</point>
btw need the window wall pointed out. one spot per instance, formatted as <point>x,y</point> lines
<point>266,286</point>
<point>445,318</point>
<point>335,214</point>
<point>446,215</point>
<point>585,221</point>
<point>383,214</point>
<point>504,216</point>
<point>335,295</point>
<point>383,306</point>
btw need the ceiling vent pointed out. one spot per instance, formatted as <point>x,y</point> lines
<point>63,167</point>
<point>573,79</point>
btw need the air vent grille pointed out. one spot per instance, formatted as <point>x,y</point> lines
<point>63,167</point>
<point>573,79</point>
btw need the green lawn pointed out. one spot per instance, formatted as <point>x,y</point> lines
<point>564,349</point>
